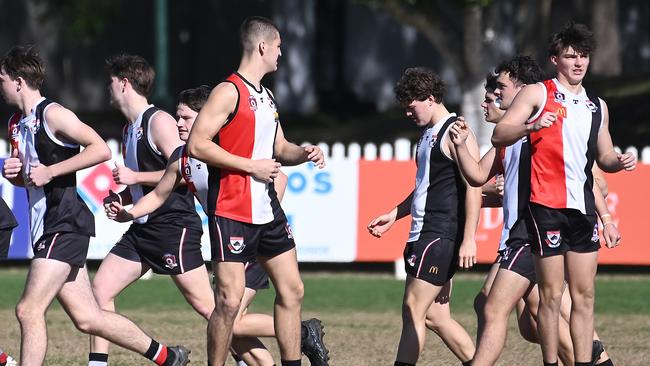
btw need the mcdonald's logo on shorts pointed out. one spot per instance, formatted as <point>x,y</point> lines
<point>433,270</point>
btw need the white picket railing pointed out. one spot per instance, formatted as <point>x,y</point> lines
<point>401,149</point>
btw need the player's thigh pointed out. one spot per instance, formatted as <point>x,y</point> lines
<point>419,295</point>
<point>114,275</point>
<point>581,271</point>
<point>489,279</point>
<point>229,280</point>
<point>44,280</point>
<point>283,271</point>
<point>195,287</point>
<point>76,297</point>
<point>508,288</point>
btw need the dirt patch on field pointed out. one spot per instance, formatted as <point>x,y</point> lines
<point>354,339</point>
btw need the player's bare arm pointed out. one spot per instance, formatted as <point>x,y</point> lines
<point>476,173</point>
<point>473,200</point>
<point>211,119</point>
<point>513,125</point>
<point>608,159</point>
<point>610,231</point>
<point>68,128</point>
<point>152,200</point>
<point>291,154</point>
<point>599,180</point>
<point>382,223</point>
<point>12,169</point>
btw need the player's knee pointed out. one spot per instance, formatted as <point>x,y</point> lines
<point>292,295</point>
<point>26,312</point>
<point>85,324</point>
<point>101,295</point>
<point>494,312</point>
<point>479,304</point>
<point>228,305</point>
<point>435,323</point>
<point>583,300</point>
<point>550,297</point>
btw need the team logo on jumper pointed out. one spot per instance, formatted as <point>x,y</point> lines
<point>187,170</point>
<point>591,106</point>
<point>411,260</point>
<point>252,102</point>
<point>138,133</point>
<point>271,103</point>
<point>553,239</point>
<point>170,261</point>
<point>561,111</point>
<point>434,138</point>
<point>594,236</point>
<point>559,97</point>
<point>236,245</point>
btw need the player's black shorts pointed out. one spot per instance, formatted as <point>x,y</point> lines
<point>236,241</point>
<point>5,240</point>
<point>256,276</point>
<point>431,260</point>
<point>166,248</point>
<point>519,259</point>
<point>556,231</point>
<point>71,248</point>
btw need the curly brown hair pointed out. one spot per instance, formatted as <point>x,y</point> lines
<point>419,83</point>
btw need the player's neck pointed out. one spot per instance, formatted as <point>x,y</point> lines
<point>28,100</point>
<point>439,112</point>
<point>573,87</point>
<point>134,107</point>
<point>252,71</point>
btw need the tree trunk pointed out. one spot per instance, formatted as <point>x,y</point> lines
<point>606,61</point>
<point>472,82</point>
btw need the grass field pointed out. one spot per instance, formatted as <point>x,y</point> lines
<point>360,312</point>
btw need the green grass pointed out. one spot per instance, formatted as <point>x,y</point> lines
<point>616,294</point>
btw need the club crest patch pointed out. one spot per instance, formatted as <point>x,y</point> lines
<point>594,237</point>
<point>591,106</point>
<point>236,244</point>
<point>170,261</point>
<point>553,239</point>
<point>559,97</point>
<point>252,102</point>
<point>411,260</point>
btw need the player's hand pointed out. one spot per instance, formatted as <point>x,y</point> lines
<point>265,169</point>
<point>39,175</point>
<point>381,224</point>
<point>315,155</point>
<point>12,166</point>
<point>124,175</point>
<point>467,254</point>
<point>611,235</point>
<point>546,120</point>
<point>499,184</point>
<point>459,131</point>
<point>112,197</point>
<point>117,212</point>
<point>627,161</point>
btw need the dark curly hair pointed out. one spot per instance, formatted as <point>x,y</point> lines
<point>134,68</point>
<point>24,62</point>
<point>576,36</point>
<point>418,83</point>
<point>194,98</point>
<point>521,69</point>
